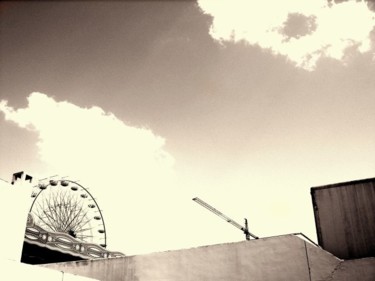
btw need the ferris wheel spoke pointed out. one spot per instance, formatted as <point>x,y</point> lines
<point>83,230</point>
<point>50,223</point>
<point>50,217</point>
<point>76,216</point>
<point>68,213</point>
<point>46,223</point>
<point>72,215</point>
<point>83,223</point>
<point>71,225</point>
<point>60,208</point>
<point>83,236</point>
<point>53,213</point>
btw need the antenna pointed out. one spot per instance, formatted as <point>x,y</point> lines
<point>245,228</point>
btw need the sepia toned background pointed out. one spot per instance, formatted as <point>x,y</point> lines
<point>151,103</point>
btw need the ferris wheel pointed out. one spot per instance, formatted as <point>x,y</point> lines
<point>67,207</point>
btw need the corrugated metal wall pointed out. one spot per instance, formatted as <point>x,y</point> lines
<point>345,218</point>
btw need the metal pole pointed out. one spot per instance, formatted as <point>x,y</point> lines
<point>247,230</point>
<point>220,214</point>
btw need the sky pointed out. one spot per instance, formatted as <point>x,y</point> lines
<point>244,104</point>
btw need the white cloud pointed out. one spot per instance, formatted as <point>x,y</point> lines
<point>127,168</point>
<point>338,27</point>
<point>88,139</point>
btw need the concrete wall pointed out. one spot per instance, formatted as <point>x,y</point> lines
<point>14,206</point>
<point>345,218</point>
<point>276,258</point>
<point>360,269</point>
<point>12,270</point>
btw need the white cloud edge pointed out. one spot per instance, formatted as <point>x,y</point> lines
<point>85,132</point>
<point>246,20</point>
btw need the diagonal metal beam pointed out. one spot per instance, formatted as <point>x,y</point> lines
<point>224,217</point>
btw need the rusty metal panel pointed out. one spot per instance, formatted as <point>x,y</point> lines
<point>345,218</point>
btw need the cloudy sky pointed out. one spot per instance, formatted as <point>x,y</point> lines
<point>244,104</point>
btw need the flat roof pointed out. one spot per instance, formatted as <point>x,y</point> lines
<point>340,184</point>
